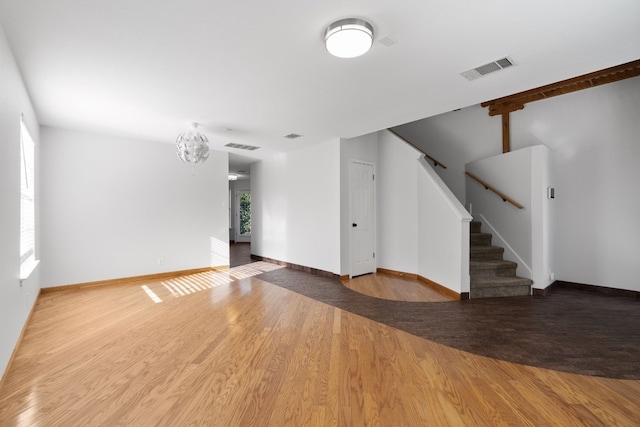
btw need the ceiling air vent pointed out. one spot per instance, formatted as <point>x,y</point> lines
<point>241,147</point>
<point>485,69</point>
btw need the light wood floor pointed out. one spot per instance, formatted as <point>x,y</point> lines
<point>387,286</point>
<point>227,349</point>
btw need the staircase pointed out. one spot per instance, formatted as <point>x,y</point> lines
<point>491,275</point>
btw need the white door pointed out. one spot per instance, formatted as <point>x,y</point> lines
<point>243,216</point>
<point>362,212</point>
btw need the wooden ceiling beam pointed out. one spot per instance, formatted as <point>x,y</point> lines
<point>517,101</point>
<point>498,110</point>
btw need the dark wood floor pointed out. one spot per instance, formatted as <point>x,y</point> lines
<point>569,330</point>
<point>239,254</point>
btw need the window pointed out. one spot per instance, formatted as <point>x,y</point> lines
<point>245,214</point>
<point>27,203</point>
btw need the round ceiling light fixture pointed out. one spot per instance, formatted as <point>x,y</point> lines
<point>348,38</point>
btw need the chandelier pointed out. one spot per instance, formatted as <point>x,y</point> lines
<point>191,146</point>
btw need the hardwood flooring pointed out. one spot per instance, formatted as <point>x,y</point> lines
<point>395,288</point>
<point>569,330</point>
<point>231,349</point>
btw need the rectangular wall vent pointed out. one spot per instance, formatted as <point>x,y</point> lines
<point>241,146</point>
<point>485,69</point>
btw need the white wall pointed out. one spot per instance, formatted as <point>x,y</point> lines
<point>112,207</point>
<point>296,207</point>
<point>16,299</point>
<point>543,216</point>
<point>363,148</point>
<point>443,230</point>
<point>397,191</point>
<point>422,228</point>
<point>594,134</point>
<point>510,173</point>
<point>525,234</point>
<point>455,139</point>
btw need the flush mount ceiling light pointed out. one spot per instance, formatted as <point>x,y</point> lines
<point>348,38</point>
<point>233,177</point>
<point>191,146</point>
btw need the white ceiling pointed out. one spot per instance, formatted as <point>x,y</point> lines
<point>252,72</point>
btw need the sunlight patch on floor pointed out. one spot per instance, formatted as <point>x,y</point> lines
<point>155,298</point>
<point>186,285</point>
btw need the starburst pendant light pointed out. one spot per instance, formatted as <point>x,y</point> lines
<point>191,146</point>
<point>348,38</point>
